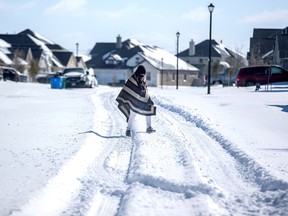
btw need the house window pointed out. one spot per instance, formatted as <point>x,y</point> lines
<point>200,60</point>
<point>173,76</point>
<point>185,77</point>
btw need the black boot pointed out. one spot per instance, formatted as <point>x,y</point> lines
<point>128,133</point>
<point>150,130</point>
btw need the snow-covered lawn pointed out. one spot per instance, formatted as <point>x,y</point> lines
<point>63,152</point>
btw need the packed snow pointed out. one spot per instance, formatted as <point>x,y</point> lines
<point>64,152</point>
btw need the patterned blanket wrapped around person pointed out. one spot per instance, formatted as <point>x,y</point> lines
<point>134,97</point>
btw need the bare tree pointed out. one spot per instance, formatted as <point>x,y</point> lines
<point>215,68</point>
<point>255,56</point>
<point>235,61</point>
<point>33,69</point>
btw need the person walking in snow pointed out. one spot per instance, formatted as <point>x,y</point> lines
<point>134,99</point>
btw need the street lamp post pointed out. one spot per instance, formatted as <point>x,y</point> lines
<point>177,72</point>
<point>210,8</point>
<point>77,45</point>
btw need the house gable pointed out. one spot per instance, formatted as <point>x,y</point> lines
<point>48,54</point>
<point>265,33</point>
<point>269,45</point>
<point>202,50</point>
<point>102,48</point>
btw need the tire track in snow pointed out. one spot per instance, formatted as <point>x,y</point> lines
<point>169,173</point>
<point>267,194</point>
<point>260,175</point>
<point>104,184</point>
<point>92,182</point>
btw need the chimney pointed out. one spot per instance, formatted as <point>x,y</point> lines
<point>118,42</point>
<point>191,48</point>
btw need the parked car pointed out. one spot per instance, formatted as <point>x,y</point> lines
<point>222,79</point>
<point>45,77</point>
<point>12,74</point>
<point>264,74</point>
<point>79,77</point>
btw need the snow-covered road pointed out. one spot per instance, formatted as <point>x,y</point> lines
<point>186,168</point>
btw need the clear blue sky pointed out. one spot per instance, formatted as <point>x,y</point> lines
<point>152,22</point>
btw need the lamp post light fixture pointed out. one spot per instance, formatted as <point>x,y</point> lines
<point>210,8</point>
<point>177,72</point>
<point>77,45</point>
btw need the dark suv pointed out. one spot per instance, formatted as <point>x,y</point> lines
<point>266,74</point>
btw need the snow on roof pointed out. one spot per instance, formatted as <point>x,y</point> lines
<point>133,43</point>
<point>116,57</point>
<point>158,57</point>
<point>223,49</point>
<point>84,57</point>
<point>42,38</point>
<point>225,64</point>
<point>267,54</point>
<point>46,50</point>
<point>22,61</point>
<point>107,55</point>
<point>4,51</point>
<point>4,44</point>
<point>5,58</point>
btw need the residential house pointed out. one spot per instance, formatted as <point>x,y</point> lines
<point>269,46</point>
<point>19,49</point>
<point>114,63</point>
<point>221,59</point>
<point>261,46</point>
<point>280,52</point>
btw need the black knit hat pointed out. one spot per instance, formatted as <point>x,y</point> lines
<point>141,71</point>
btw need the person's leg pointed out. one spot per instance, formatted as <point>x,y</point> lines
<point>148,121</point>
<point>131,120</point>
<point>149,125</point>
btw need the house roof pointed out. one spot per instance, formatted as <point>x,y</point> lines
<point>261,45</point>
<point>131,48</point>
<point>36,35</point>
<point>102,48</point>
<point>55,47</point>
<point>265,33</point>
<point>16,40</point>
<point>263,40</point>
<point>63,56</point>
<point>102,51</point>
<point>38,44</point>
<point>202,50</point>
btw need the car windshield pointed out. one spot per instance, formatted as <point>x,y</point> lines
<point>68,70</point>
